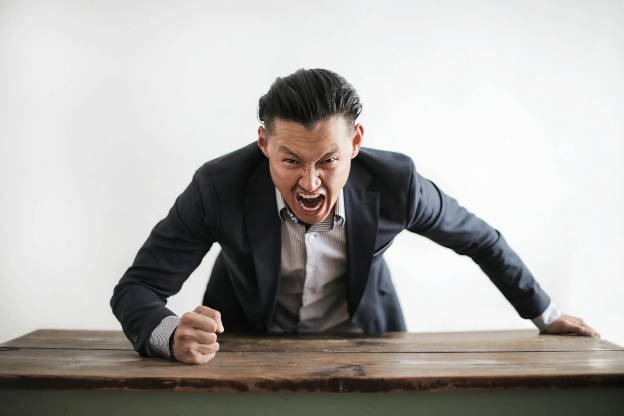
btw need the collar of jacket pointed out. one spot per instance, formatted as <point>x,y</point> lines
<point>361,206</point>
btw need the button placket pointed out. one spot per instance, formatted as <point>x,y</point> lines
<point>310,268</point>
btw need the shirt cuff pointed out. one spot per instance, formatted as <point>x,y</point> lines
<point>158,341</point>
<point>550,315</point>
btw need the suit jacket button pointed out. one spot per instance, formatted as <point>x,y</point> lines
<point>259,328</point>
<point>133,336</point>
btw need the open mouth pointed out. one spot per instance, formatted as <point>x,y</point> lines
<point>310,203</point>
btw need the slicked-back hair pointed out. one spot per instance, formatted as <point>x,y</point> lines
<point>307,97</point>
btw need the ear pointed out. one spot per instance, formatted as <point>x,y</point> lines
<point>358,135</point>
<point>262,141</point>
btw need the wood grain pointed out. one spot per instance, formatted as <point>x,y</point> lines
<point>124,370</point>
<point>483,341</point>
<point>388,362</point>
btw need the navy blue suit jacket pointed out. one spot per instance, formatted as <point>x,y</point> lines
<point>231,201</point>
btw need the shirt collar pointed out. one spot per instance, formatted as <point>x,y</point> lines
<point>283,210</point>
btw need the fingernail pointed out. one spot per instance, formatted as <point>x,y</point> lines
<point>221,327</point>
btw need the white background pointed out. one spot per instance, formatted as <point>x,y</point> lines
<point>513,108</point>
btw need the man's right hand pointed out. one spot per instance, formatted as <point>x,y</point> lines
<point>195,340</point>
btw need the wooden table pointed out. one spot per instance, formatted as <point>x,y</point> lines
<point>501,372</point>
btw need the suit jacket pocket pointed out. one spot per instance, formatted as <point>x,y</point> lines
<point>383,249</point>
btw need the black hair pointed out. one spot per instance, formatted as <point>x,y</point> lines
<point>307,97</point>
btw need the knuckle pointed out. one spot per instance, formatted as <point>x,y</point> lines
<point>186,319</point>
<point>211,325</point>
<point>217,314</point>
<point>215,346</point>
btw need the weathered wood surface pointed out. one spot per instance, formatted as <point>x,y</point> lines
<point>389,362</point>
<point>484,341</point>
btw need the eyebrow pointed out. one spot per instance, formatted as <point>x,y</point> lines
<point>284,149</point>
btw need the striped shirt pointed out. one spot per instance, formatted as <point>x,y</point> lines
<point>312,290</point>
<point>312,293</point>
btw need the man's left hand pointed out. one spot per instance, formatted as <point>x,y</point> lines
<point>567,325</point>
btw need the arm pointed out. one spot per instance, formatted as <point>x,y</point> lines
<point>436,216</point>
<point>175,248</point>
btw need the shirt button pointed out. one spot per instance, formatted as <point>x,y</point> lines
<point>311,238</point>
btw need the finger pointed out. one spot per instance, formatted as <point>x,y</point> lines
<point>581,330</point>
<point>211,313</point>
<point>198,321</point>
<point>206,349</point>
<point>203,337</point>
<point>594,332</point>
<point>197,358</point>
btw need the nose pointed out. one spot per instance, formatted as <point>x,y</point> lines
<point>310,181</point>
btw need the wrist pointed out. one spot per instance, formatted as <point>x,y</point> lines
<point>171,356</point>
<point>550,315</point>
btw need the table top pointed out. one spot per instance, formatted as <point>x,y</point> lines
<point>384,362</point>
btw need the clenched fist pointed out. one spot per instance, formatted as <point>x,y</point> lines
<point>195,340</point>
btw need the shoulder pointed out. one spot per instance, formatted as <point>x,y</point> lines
<point>241,161</point>
<point>390,175</point>
<point>231,170</point>
<point>226,177</point>
<point>385,166</point>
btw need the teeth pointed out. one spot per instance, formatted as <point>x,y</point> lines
<point>308,196</point>
<point>301,196</point>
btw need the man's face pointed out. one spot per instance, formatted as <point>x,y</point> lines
<point>310,167</point>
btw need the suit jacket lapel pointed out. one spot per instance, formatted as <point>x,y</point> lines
<point>362,215</point>
<point>264,229</point>
<point>265,238</point>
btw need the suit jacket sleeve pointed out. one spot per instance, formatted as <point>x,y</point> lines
<point>435,215</point>
<point>174,248</point>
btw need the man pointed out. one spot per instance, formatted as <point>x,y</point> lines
<point>303,218</point>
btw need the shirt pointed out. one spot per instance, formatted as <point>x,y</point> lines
<point>312,293</point>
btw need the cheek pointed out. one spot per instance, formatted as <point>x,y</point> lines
<point>283,178</point>
<point>335,179</point>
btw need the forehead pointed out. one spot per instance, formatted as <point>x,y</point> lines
<point>325,134</point>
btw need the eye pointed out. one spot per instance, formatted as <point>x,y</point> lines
<point>333,159</point>
<point>291,161</point>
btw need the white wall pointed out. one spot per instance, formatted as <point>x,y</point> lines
<point>514,108</point>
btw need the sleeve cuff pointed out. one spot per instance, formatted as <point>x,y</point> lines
<point>158,341</point>
<point>550,315</point>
